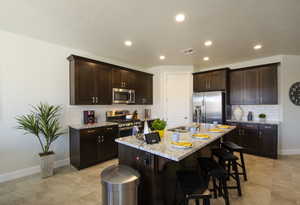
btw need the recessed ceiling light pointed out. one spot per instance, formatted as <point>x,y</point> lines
<point>128,43</point>
<point>206,58</point>
<point>257,47</point>
<point>162,57</point>
<point>208,43</point>
<point>180,17</point>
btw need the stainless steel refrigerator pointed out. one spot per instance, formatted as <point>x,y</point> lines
<point>209,107</point>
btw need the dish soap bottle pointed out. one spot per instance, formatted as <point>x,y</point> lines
<point>146,128</point>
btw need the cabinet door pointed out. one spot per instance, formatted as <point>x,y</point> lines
<point>195,83</point>
<point>234,135</point>
<point>108,147</point>
<point>250,138</point>
<point>149,90</point>
<point>268,135</point>
<point>236,87</point>
<point>202,80</point>
<point>144,89</point>
<point>268,85</point>
<point>103,80</point>
<point>125,79</point>
<point>217,80</point>
<point>116,78</point>
<point>251,87</point>
<point>140,89</point>
<point>88,148</point>
<point>84,83</point>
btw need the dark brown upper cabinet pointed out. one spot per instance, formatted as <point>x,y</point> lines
<point>144,89</point>
<point>210,81</point>
<point>236,84</point>
<point>90,82</point>
<point>254,86</point>
<point>251,87</point>
<point>268,85</point>
<point>122,78</point>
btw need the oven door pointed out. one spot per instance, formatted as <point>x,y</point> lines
<point>121,96</point>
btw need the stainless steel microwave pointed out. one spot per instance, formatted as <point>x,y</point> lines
<point>123,96</point>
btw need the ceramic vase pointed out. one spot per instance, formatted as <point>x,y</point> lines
<point>238,113</point>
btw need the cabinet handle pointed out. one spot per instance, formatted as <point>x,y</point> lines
<point>109,128</point>
<point>91,131</point>
<point>96,99</point>
<point>268,127</point>
<point>93,100</point>
<point>102,139</point>
<point>99,140</point>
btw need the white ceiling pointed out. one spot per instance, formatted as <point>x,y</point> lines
<point>101,27</point>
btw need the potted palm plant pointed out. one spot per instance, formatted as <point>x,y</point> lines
<point>43,123</point>
<point>159,126</point>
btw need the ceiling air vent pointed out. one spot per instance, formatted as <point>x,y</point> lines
<point>188,51</point>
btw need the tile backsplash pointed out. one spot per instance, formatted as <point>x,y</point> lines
<point>74,114</point>
<point>272,111</point>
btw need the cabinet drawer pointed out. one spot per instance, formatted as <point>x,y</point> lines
<point>249,126</point>
<point>266,127</point>
<point>92,131</point>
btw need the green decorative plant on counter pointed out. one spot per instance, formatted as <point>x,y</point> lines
<point>43,123</point>
<point>262,117</point>
<point>159,126</point>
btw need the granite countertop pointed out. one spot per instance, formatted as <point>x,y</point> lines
<point>95,125</point>
<point>165,148</point>
<point>267,122</point>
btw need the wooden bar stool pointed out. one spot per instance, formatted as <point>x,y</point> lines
<point>229,160</point>
<point>232,147</point>
<point>193,187</point>
<point>213,171</point>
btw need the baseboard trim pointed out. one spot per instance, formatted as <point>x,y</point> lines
<point>290,151</point>
<point>29,171</point>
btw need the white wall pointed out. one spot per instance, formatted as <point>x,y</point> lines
<point>32,71</point>
<point>290,141</point>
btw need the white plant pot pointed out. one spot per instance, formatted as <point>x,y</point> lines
<point>47,165</point>
<point>262,119</point>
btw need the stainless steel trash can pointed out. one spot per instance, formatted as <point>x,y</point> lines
<point>120,185</point>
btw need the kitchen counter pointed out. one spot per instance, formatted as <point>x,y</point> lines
<point>158,163</point>
<point>267,122</point>
<point>89,126</point>
<point>165,148</point>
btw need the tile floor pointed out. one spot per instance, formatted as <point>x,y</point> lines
<point>271,182</point>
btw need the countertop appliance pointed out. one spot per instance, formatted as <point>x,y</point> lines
<point>89,116</point>
<point>209,107</point>
<point>123,96</point>
<point>125,125</point>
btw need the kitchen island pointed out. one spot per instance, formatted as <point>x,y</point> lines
<point>158,163</point>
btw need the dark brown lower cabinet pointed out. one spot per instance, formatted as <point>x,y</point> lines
<point>258,139</point>
<point>91,146</point>
<point>268,140</point>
